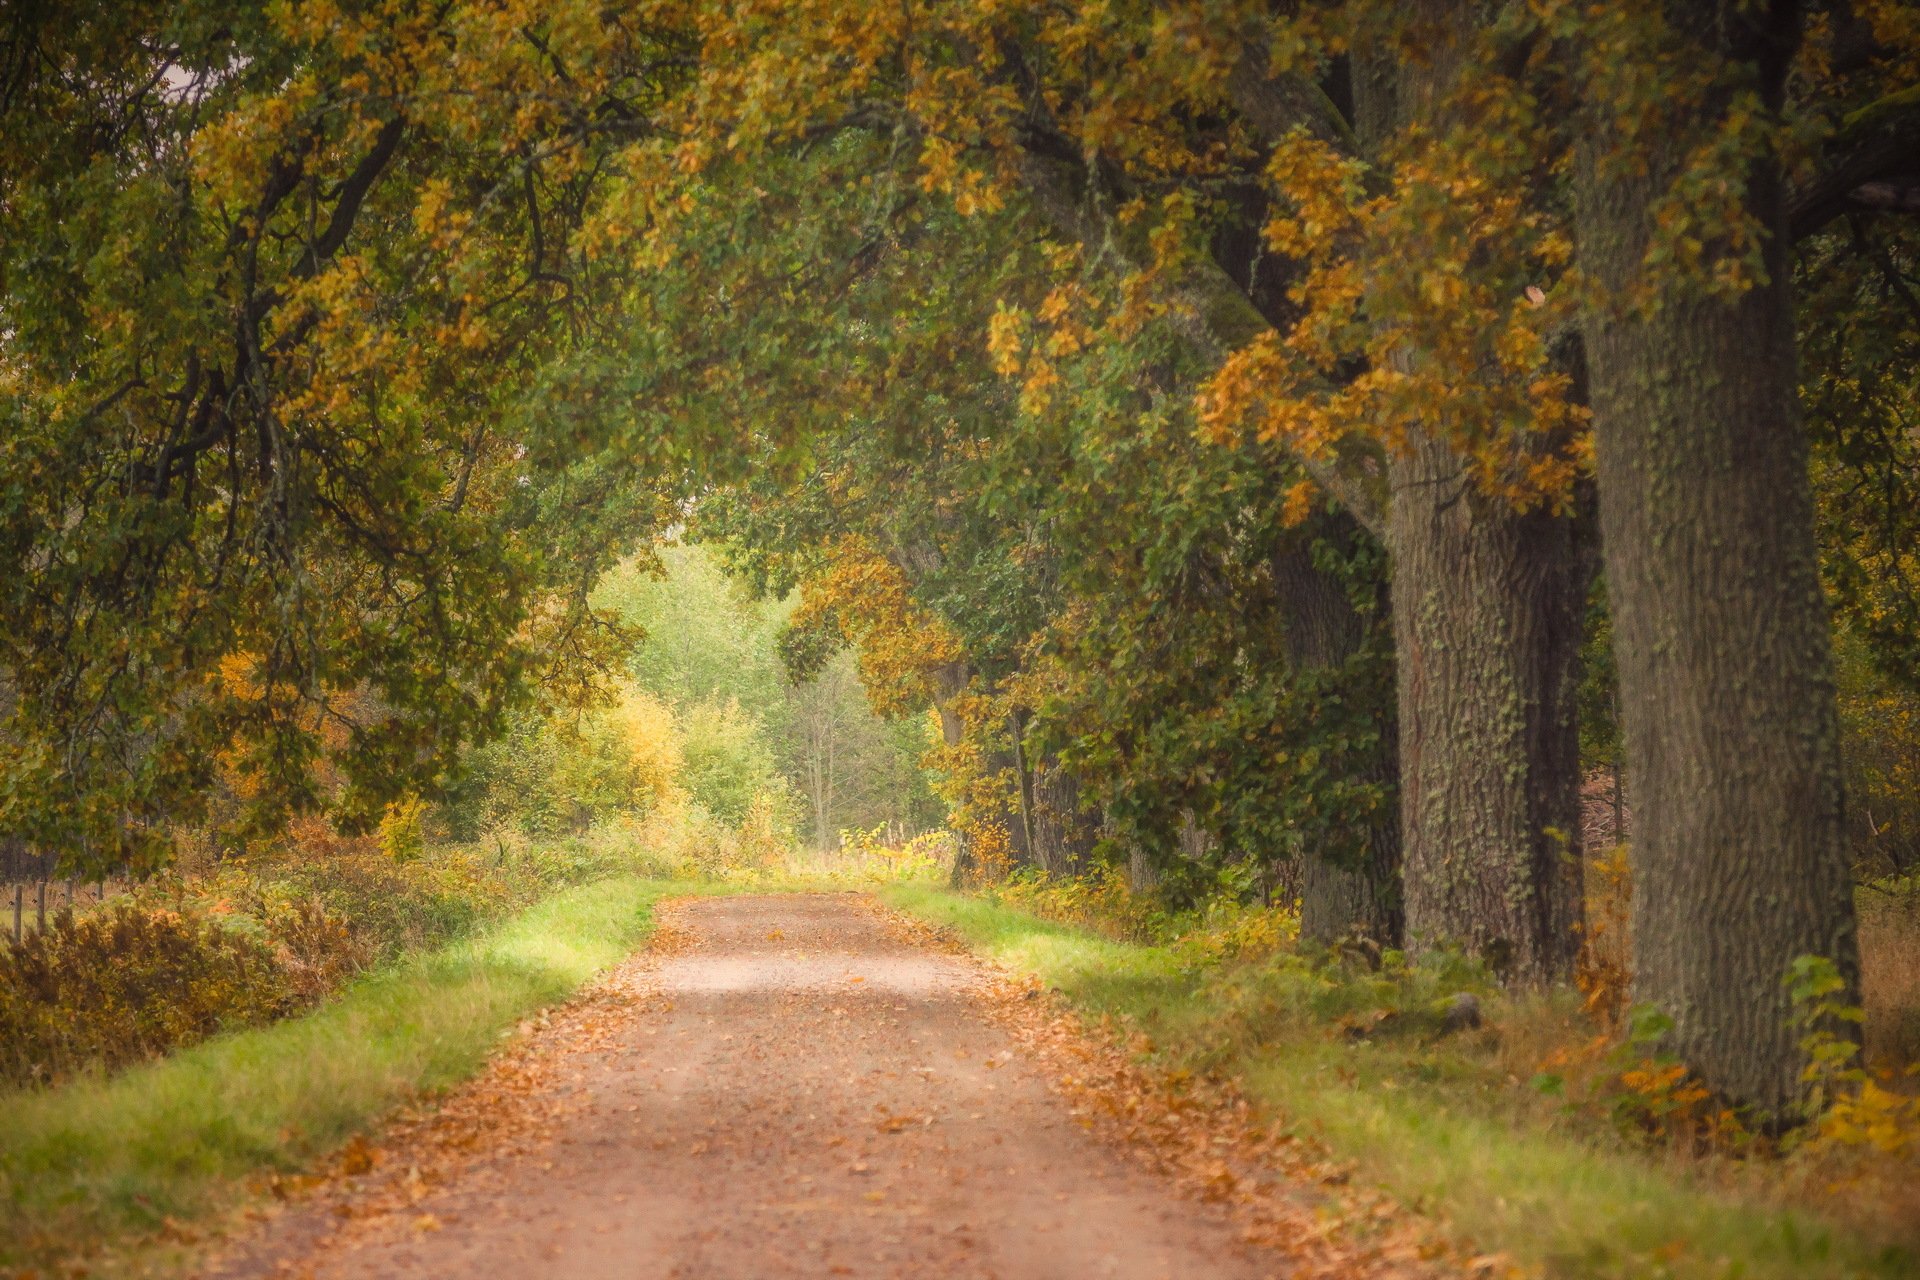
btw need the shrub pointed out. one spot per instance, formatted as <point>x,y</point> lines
<point>401,837</point>
<point>1102,900</point>
<point>131,982</point>
<point>625,757</point>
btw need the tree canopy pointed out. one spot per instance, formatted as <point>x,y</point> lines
<point>1217,415</point>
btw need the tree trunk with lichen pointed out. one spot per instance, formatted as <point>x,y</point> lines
<point>1721,633</point>
<point>1063,832</point>
<point>1487,609</point>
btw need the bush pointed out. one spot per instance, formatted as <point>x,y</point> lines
<point>559,774</point>
<point>130,982</point>
<point>1101,900</point>
<point>621,758</point>
<point>220,944</point>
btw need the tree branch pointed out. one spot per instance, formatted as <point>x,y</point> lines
<point>353,193</point>
<point>1878,170</point>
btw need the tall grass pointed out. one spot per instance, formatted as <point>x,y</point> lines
<point>106,1159</point>
<point>1436,1125</point>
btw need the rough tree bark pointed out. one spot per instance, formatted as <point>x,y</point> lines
<point>1489,600</point>
<point>1064,832</point>
<point>1142,875</point>
<point>1056,834</point>
<point>1721,631</point>
<point>1487,606</point>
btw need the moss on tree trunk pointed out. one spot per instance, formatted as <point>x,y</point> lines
<point>1721,631</point>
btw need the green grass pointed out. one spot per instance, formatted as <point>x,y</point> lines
<point>1423,1122</point>
<point>108,1160</point>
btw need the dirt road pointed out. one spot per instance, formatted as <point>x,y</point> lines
<point>793,1090</point>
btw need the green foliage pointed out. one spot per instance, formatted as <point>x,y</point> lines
<point>729,762</point>
<point>560,772</point>
<point>1110,576</point>
<point>1880,753</point>
<point>712,651</point>
<point>233,945</point>
<point>1599,695</point>
<point>351,353</point>
<point>1828,1026</point>
<point>396,908</point>
<point>1860,341</point>
<point>702,635</point>
<point>1101,900</point>
<point>281,491</point>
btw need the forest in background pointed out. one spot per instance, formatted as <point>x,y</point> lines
<point>1427,488</point>
<point>703,705</point>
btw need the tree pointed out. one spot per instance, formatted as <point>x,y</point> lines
<point>1145,387</point>
<point>1721,634</point>
<point>1155,167</point>
<point>277,297</point>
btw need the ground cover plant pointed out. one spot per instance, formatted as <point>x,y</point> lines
<point>208,947</point>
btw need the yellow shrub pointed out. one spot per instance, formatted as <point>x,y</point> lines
<point>1874,1119</point>
<point>626,756</point>
<point>645,727</point>
<point>130,982</point>
<point>400,835</point>
<point>1102,900</point>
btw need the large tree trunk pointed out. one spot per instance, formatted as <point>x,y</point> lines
<point>1142,875</point>
<point>1358,895</point>
<point>1720,626</point>
<point>1055,835</point>
<point>1487,609</point>
<point>1341,901</point>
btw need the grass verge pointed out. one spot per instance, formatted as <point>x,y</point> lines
<point>101,1161</point>
<point>1424,1125</point>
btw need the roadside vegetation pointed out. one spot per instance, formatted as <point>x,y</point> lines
<point>238,1014</point>
<point>145,1154</point>
<point>701,759</point>
<point>1517,1129</point>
